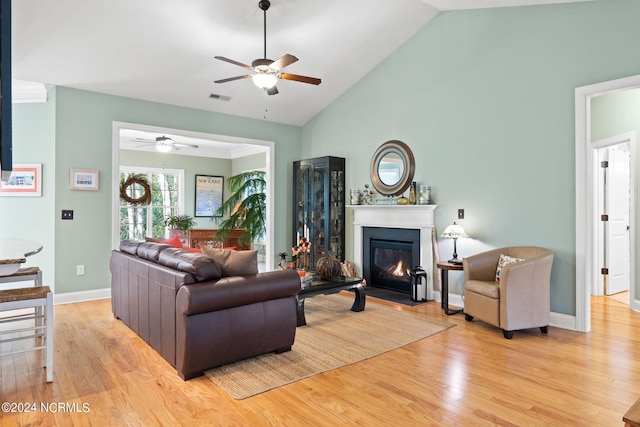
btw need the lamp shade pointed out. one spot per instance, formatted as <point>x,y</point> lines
<point>454,231</point>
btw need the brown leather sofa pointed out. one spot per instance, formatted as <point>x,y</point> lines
<point>520,299</point>
<point>196,320</point>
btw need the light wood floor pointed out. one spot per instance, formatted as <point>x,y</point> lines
<point>468,375</point>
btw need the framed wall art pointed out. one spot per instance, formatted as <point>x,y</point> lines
<point>25,180</point>
<point>84,179</point>
<point>209,192</point>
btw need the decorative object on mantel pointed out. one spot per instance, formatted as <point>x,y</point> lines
<point>425,194</point>
<point>454,231</point>
<point>402,200</point>
<point>355,196</point>
<point>366,196</point>
<point>131,186</point>
<point>328,268</point>
<point>413,193</point>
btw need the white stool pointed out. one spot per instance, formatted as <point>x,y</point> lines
<point>40,298</point>
<point>25,275</point>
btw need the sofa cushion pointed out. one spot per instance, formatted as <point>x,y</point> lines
<point>151,251</point>
<point>233,263</point>
<point>130,246</point>
<point>505,260</point>
<point>198,265</point>
<point>174,241</point>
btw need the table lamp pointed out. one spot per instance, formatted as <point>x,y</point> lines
<point>454,231</point>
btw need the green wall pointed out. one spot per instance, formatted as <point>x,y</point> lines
<point>248,163</point>
<point>615,114</point>
<point>74,130</point>
<point>485,99</point>
<point>33,218</point>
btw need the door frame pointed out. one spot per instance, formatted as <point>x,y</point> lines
<point>585,197</point>
<point>115,177</point>
<point>630,137</point>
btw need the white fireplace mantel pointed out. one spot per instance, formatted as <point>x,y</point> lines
<point>421,217</point>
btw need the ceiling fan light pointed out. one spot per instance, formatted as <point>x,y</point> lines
<point>264,81</point>
<point>163,148</point>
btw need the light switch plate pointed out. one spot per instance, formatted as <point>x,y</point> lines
<point>460,213</point>
<point>67,214</point>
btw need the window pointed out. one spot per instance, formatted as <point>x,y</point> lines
<point>167,198</point>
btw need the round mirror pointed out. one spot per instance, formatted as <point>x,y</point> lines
<point>392,168</point>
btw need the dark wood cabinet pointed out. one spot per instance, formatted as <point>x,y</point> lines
<point>194,237</point>
<point>319,206</point>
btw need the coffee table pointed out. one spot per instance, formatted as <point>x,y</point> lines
<point>326,287</point>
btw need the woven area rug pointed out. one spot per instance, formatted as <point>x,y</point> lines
<point>334,337</point>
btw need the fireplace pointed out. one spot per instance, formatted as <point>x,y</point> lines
<point>389,255</point>
<point>417,218</point>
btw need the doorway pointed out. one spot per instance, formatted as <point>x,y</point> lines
<point>205,142</point>
<point>614,167</point>
<point>586,201</point>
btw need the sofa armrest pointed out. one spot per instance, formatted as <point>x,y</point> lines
<point>235,291</point>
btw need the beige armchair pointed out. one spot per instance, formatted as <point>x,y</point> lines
<point>521,297</point>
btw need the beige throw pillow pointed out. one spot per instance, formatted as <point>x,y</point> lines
<point>233,263</point>
<point>505,260</point>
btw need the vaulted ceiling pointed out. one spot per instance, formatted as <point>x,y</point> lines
<point>163,51</point>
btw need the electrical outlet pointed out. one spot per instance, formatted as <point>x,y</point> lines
<point>80,270</point>
<point>460,213</point>
<point>67,214</point>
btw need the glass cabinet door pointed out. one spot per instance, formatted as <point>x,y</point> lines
<point>319,206</point>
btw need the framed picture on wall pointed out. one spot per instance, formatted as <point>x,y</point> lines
<point>25,180</point>
<point>209,193</point>
<point>84,179</point>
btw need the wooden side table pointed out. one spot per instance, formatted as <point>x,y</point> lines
<point>444,267</point>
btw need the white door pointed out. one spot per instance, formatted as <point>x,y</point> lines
<point>618,200</point>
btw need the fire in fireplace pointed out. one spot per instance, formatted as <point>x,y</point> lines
<point>389,256</point>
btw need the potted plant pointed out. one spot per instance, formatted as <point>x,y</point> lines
<point>246,207</point>
<point>180,225</point>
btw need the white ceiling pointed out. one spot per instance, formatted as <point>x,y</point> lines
<point>163,51</point>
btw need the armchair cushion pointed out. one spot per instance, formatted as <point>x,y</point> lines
<point>489,289</point>
<point>505,260</point>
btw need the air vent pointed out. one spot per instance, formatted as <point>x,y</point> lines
<point>220,97</point>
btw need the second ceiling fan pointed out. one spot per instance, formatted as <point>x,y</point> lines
<point>266,71</point>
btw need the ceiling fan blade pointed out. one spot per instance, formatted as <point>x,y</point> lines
<point>231,61</point>
<point>283,61</point>
<point>184,144</point>
<point>297,78</point>
<point>142,140</point>
<point>272,90</point>
<point>230,79</point>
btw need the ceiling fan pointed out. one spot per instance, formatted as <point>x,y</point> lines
<point>266,71</point>
<point>164,144</point>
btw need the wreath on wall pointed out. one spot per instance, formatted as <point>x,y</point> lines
<point>141,180</point>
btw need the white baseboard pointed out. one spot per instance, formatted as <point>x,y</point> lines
<point>564,321</point>
<point>558,320</point>
<point>80,296</point>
